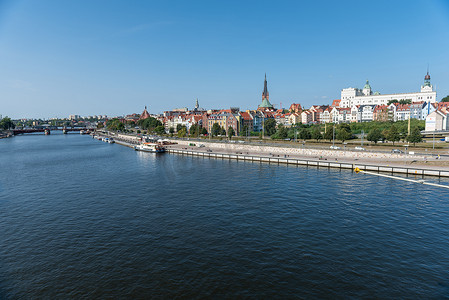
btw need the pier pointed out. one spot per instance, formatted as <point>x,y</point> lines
<point>314,163</point>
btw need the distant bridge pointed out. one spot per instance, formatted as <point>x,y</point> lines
<point>48,130</point>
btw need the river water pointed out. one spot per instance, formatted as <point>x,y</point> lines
<point>80,218</point>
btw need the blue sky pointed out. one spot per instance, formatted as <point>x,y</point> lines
<point>64,57</point>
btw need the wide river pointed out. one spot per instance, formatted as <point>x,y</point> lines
<point>80,218</point>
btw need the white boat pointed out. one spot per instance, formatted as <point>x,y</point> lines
<point>111,141</point>
<point>150,147</point>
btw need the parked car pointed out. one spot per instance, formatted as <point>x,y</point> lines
<point>397,151</point>
<point>359,148</point>
<point>335,147</point>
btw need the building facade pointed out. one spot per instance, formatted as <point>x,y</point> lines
<point>354,96</point>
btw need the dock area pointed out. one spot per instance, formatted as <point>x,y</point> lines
<point>377,162</point>
<point>315,163</point>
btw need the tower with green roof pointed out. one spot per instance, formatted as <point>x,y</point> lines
<point>367,89</point>
<point>265,105</point>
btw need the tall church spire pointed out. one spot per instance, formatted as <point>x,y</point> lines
<point>265,105</point>
<point>265,94</point>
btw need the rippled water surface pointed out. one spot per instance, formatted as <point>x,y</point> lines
<point>85,219</point>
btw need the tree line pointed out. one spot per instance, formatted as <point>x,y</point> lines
<point>6,123</point>
<point>372,131</point>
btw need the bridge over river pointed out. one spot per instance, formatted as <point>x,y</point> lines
<point>49,129</point>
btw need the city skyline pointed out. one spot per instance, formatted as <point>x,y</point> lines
<point>85,58</point>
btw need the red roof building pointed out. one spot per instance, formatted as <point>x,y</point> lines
<point>295,108</point>
<point>144,114</point>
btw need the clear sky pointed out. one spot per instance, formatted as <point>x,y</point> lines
<point>61,57</point>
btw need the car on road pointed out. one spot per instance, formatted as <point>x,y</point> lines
<point>335,147</point>
<point>397,151</point>
<point>359,148</point>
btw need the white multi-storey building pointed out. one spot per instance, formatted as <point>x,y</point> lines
<point>365,96</point>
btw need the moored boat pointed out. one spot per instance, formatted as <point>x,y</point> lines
<point>150,147</point>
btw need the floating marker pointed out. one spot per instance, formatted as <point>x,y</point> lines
<point>357,170</point>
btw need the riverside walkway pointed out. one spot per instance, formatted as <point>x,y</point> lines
<point>413,165</point>
<point>388,163</point>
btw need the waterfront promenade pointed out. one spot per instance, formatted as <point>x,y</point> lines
<point>376,161</point>
<point>347,156</point>
<point>381,162</point>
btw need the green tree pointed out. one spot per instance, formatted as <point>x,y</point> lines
<point>216,129</point>
<point>193,130</point>
<point>445,99</point>
<point>344,132</point>
<point>392,101</point>
<point>179,127</point>
<point>304,134</point>
<point>415,136</point>
<point>131,123</point>
<point>203,130</point>
<point>231,132</point>
<point>393,134</point>
<point>329,134</point>
<point>281,132</point>
<point>171,130</point>
<point>269,126</point>
<point>343,135</point>
<point>115,125</point>
<point>149,124</point>
<point>316,134</point>
<point>182,132</point>
<point>244,131</point>
<point>160,129</point>
<point>6,123</point>
<point>375,135</point>
<point>405,101</point>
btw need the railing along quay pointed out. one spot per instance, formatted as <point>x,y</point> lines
<point>314,163</point>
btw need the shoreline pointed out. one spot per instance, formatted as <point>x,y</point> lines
<point>369,161</point>
<point>315,163</point>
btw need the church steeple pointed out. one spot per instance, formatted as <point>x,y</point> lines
<point>265,105</point>
<point>144,114</point>
<point>265,94</point>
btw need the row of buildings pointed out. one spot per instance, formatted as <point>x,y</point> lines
<point>355,105</point>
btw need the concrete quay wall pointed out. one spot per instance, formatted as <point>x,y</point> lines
<point>314,163</point>
<point>267,150</point>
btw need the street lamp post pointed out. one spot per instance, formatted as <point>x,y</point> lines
<point>433,147</point>
<point>263,128</point>
<point>333,136</point>
<point>363,133</point>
